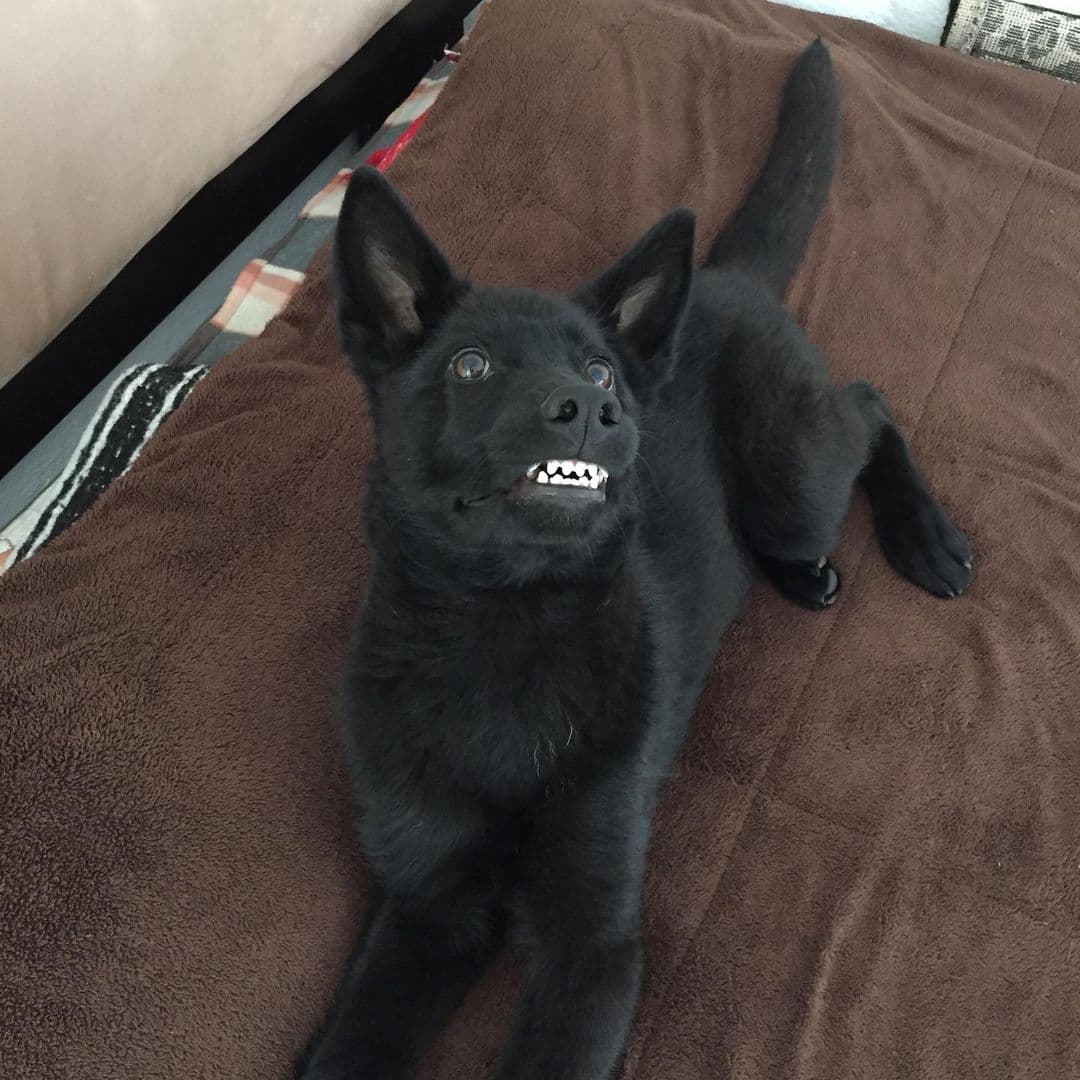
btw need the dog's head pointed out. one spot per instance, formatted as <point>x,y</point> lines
<point>507,420</point>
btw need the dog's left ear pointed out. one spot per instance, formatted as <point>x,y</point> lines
<point>393,283</point>
<point>642,297</point>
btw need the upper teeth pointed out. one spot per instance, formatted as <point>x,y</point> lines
<point>574,473</point>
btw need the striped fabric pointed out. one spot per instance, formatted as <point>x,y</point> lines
<point>130,413</point>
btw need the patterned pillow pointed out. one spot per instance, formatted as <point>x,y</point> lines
<point>1022,34</point>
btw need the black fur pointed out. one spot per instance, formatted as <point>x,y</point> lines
<point>528,660</point>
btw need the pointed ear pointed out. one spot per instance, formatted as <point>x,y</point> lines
<point>641,298</point>
<point>393,283</point>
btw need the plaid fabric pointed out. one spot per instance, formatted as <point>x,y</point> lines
<point>327,204</point>
<point>265,285</point>
<point>259,293</point>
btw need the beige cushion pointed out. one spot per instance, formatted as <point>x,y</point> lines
<point>117,111</point>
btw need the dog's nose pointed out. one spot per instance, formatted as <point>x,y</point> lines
<point>583,407</point>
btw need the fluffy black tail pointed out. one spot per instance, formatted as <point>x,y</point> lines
<point>770,230</point>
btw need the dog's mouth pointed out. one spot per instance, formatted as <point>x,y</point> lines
<point>567,474</point>
<point>565,481</point>
<point>572,481</point>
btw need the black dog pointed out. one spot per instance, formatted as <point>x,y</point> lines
<point>566,494</point>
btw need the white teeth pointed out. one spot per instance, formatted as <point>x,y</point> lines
<point>568,473</point>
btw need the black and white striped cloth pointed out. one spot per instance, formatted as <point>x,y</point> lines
<point>131,412</point>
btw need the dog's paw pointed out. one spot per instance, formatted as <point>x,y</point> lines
<point>813,585</point>
<point>921,542</point>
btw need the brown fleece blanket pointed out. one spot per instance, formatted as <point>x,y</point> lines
<point>868,864</point>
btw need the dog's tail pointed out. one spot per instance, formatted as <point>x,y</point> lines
<point>770,230</point>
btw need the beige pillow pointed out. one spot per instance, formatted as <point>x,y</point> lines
<point>117,111</point>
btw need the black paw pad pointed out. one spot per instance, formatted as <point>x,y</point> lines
<point>812,585</point>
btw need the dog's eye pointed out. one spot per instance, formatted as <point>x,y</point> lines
<point>469,365</point>
<point>599,371</point>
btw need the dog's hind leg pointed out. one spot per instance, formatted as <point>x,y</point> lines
<point>799,445</point>
<point>792,503</point>
<point>792,525</point>
<point>916,534</point>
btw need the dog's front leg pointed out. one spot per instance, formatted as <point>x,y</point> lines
<point>578,907</point>
<point>440,920</point>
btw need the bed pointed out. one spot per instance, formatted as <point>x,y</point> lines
<point>866,862</point>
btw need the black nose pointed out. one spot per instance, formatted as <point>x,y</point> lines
<point>582,408</point>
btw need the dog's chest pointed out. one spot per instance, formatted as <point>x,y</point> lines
<point>527,692</point>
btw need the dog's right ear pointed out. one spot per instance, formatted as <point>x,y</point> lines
<point>393,283</point>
